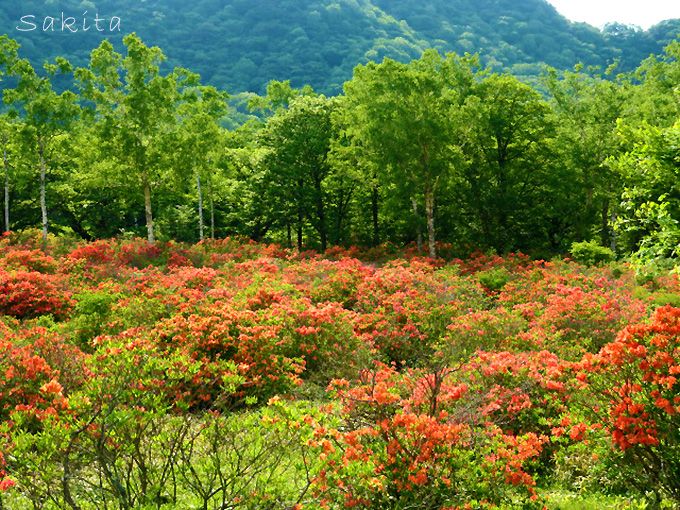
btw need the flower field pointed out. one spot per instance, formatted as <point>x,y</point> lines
<point>236,375</point>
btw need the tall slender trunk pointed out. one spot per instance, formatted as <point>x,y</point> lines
<point>43,199</point>
<point>341,201</point>
<point>612,233</point>
<point>374,211</point>
<point>605,233</point>
<point>586,213</point>
<point>321,214</point>
<point>429,212</point>
<point>419,231</point>
<point>339,219</point>
<point>300,214</point>
<point>147,208</point>
<point>430,185</point>
<point>289,235</point>
<point>299,230</point>
<point>212,219</point>
<point>503,240</point>
<point>6,164</point>
<point>200,206</point>
<point>212,208</point>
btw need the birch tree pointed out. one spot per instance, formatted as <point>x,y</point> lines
<point>407,118</point>
<point>135,111</point>
<point>46,115</point>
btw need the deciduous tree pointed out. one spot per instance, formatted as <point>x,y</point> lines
<point>407,116</point>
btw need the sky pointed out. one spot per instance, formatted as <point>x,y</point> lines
<point>643,13</point>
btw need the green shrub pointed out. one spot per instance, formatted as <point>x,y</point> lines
<point>666,298</point>
<point>591,253</point>
<point>494,279</point>
<point>91,314</point>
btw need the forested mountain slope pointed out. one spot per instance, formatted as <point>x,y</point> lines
<point>242,44</point>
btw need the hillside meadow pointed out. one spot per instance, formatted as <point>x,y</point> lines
<point>229,374</point>
<point>278,340</point>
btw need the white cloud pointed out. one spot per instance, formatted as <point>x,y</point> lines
<point>598,12</point>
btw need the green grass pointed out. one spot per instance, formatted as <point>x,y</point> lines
<point>572,501</point>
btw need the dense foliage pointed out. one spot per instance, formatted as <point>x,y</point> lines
<point>230,374</point>
<point>437,150</point>
<point>330,308</point>
<point>242,45</point>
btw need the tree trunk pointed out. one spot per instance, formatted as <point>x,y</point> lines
<point>374,211</point>
<point>429,211</point>
<point>300,215</point>
<point>43,199</point>
<point>604,233</point>
<point>343,200</point>
<point>419,231</point>
<point>147,209</point>
<point>200,207</point>
<point>75,224</point>
<point>503,241</point>
<point>6,163</point>
<point>212,218</point>
<point>612,233</point>
<point>321,214</point>
<point>340,217</point>
<point>299,231</point>
<point>289,235</point>
<point>66,476</point>
<point>212,207</point>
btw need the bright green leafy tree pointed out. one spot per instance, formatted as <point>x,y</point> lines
<point>588,107</point>
<point>407,117</point>
<point>135,110</point>
<point>46,113</point>
<point>510,178</point>
<point>298,139</point>
<point>649,221</point>
<point>199,139</point>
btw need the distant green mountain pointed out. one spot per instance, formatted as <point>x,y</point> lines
<point>242,44</point>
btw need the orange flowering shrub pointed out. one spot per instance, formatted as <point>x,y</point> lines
<point>37,372</point>
<point>28,260</point>
<point>498,328</point>
<point>404,446</point>
<point>220,333</point>
<point>570,309</point>
<point>327,280</point>
<point>477,262</point>
<point>29,294</point>
<point>520,392</point>
<point>97,252</point>
<point>591,317</point>
<point>139,253</point>
<point>450,385</point>
<point>636,379</point>
<point>405,308</point>
<point>29,384</point>
<point>38,369</point>
<point>274,337</point>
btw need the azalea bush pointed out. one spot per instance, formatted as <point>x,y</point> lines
<point>25,294</point>
<point>408,444</point>
<point>635,380</point>
<point>232,374</point>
